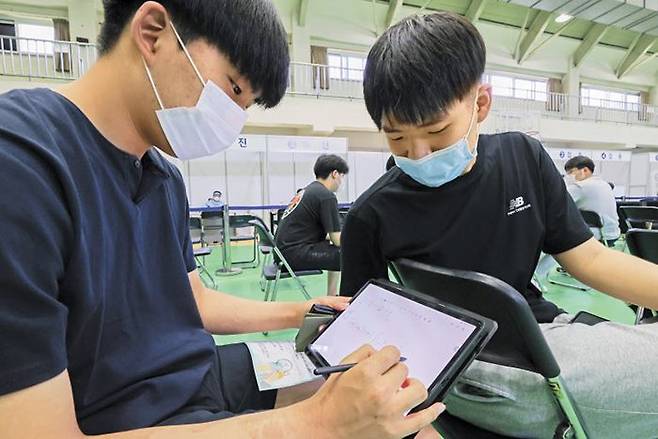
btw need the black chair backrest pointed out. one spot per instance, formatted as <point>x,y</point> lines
<point>264,235</point>
<point>649,202</point>
<point>195,223</point>
<point>623,224</point>
<point>643,244</point>
<point>240,221</point>
<point>207,214</point>
<point>518,342</point>
<point>638,216</point>
<point>592,219</point>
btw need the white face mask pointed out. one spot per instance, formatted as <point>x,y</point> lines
<point>206,129</point>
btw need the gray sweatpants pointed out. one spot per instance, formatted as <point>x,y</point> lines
<point>610,369</point>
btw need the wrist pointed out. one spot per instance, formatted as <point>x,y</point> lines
<point>309,420</point>
<point>297,312</point>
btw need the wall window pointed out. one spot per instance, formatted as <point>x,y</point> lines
<point>615,100</point>
<point>35,38</point>
<point>8,29</point>
<point>346,66</point>
<point>517,87</point>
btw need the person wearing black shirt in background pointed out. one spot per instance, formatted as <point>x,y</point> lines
<point>492,203</point>
<point>311,217</point>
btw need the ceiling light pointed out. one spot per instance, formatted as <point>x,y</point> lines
<point>563,18</point>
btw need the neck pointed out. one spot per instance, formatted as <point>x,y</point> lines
<point>107,100</point>
<point>326,183</point>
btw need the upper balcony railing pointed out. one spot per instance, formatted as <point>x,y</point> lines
<point>322,81</point>
<point>52,60</point>
<point>45,59</point>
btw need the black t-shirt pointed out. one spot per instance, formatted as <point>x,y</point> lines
<point>311,215</point>
<point>94,261</point>
<point>496,219</point>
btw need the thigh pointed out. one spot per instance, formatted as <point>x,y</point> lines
<point>238,381</point>
<point>320,256</point>
<point>230,389</point>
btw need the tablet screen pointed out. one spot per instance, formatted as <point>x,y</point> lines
<point>429,339</point>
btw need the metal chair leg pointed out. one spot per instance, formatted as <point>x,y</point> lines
<point>301,286</point>
<point>564,284</point>
<point>276,284</point>
<point>267,290</point>
<point>639,315</point>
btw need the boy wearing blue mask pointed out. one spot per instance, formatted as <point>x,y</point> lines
<point>109,329</point>
<point>492,204</point>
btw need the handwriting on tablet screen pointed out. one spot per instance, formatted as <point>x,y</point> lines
<point>429,339</point>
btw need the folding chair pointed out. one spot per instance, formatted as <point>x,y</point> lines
<point>265,250</point>
<point>212,225</point>
<point>196,231</point>
<point>641,217</point>
<point>200,258</point>
<point>241,222</point>
<point>518,343</point>
<point>643,244</point>
<point>276,271</point>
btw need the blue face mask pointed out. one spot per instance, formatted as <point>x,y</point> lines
<point>440,167</point>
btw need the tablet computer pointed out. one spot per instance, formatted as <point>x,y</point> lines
<point>437,339</point>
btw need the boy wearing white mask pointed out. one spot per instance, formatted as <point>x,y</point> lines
<point>492,204</point>
<point>108,331</point>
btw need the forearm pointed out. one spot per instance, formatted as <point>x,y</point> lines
<point>286,422</point>
<point>226,314</point>
<point>621,275</point>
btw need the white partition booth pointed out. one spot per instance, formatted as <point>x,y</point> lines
<point>262,170</point>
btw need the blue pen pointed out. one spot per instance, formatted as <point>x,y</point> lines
<point>340,368</point>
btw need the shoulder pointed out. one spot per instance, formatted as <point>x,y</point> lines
<point>512,143</point>
<point>363,207</point>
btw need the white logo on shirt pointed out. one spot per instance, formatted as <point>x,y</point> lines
<point>517,205</point>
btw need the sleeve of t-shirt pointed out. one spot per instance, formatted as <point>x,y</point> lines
<point>329,215</point>
<point>36,231</point>
<point>565,227</point>
<point>188,250</point>
<point>361,259</point>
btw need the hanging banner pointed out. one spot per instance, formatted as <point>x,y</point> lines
<point>327,145</point>
<point>250,142</point>
<point>565,154</point>
<point>611,156</point>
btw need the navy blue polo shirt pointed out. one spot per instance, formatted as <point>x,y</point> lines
<point>94,261</point>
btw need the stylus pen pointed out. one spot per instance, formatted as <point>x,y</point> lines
<point>340,368</point>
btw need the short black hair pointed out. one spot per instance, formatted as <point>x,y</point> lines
<point>328,163</point>
<point>248,32</point>
<point>390,163</point>
<point>419,67</point>
<point>579,162</point>
<point>217,192</point>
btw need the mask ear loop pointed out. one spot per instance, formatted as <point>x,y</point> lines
<point>187,54</point>
<point>155,89</point>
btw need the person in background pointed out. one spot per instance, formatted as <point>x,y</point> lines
<point>105,325</point>
<point>312,217</point>
<point>215,200</point>
<point>589,192</point>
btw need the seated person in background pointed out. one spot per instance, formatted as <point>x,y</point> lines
<point>312,216</point>
<point>491,204</point>
<point>105,325</point>
<point>589,192</point>
<point>215,200</point>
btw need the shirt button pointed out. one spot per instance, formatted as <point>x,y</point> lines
<point>138,164</point>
